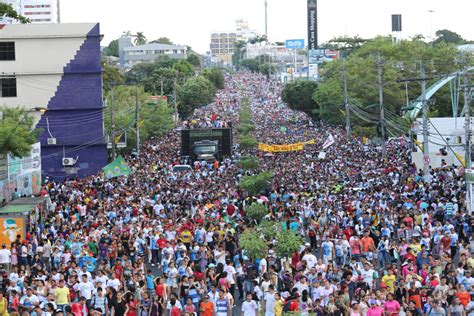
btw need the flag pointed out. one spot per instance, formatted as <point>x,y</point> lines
<point>328,142</point>
<point>116,168</point>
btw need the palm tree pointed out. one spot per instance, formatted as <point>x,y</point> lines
<point>140,39</point>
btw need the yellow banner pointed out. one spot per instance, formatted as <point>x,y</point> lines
<point>281,148</point>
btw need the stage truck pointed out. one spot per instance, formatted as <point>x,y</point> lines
<point>206,143</point>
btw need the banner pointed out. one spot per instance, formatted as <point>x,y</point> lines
<point>312,25</point>
<point>116,168</point>
<point>10,227</point>
<point>329,141</point>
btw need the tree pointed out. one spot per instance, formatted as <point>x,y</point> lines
<point>196,92</point>
<point>113,48</point>
<point>254,246</point>
<point>247,142</point>
<point>214,75</point>
<point>110,75</point>
<point>8,11</point>
<point>184,69</point>
<point>163,40</point>
<point>254,185</point>
<point>287,242</point>
<point>245,128</point>
<point>155,119</point>
<point>248,162</point>
<point>298,95</point>
<point>16,132</point>
<point>447,36</point>
<point>269,229</point>
<point>140,38</point>
<point>256,211</point>
<point>194,60</point>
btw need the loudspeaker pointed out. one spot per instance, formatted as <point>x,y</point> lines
<point>396,22</point>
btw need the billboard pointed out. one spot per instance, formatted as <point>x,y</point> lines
<point>10,227</point>
<point>294,44</point>
<point>24,174</point>
<point>312,25</point>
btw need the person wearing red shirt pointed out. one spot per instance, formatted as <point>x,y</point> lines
<point>80,308</point>
<point>118,269</point>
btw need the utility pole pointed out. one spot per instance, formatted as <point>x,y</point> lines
<point>382,112</point>
<point>112,121</point>
<point>174,99</point>
<point>426,152</point>
<point>346,101</point>
<point>161,86</point>
<point>137,123</point>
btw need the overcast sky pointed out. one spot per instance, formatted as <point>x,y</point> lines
<point>191,22</point>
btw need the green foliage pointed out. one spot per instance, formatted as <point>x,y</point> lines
<point>110,75</point>
<point>196,92</point>
<point>16,132</point>
<point>113,48</point>
<point>254,185</point>
<point>247,142</point>
<point>245,128</point>
<point>248,162</point>
<point>400,61</point>
<point>184,69</point>
<point>8,11</point>
<point>256,211</point>
<point>449,37</point>
<point>365,131</point>
<point>239,51</point>
<point>194,60</point>
<point>163,40</point>
<point>298,95</point>
<point>140,38</point>
<point>156,120</point>
<point>269,229</point>
<point>254,246</point>
<point>287,243</point>
<point>214,75</point>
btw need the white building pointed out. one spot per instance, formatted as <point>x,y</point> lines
<point>38,11</point>
<point>149,52</point>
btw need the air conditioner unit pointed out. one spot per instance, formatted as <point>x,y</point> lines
<point>51,141</point>
<point>69,161</point>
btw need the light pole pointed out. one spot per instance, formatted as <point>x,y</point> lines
<point>431,24</point>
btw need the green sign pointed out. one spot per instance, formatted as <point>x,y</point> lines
<point>117,168</point>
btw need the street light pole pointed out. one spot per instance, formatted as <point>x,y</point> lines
<point>467,112</point>
<point>426,152</point>
<point>266,19</point>
<point>137,108</point>
<point>112,121</point>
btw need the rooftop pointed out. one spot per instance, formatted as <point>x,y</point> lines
<point>154,46</point>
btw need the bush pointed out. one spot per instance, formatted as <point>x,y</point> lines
<point>247,142</point>
<point>248,162</point>
<point>245,128</point>
<point>257,183</point>
<point>287,243</point>
<point>254,246</point>
<point>256,211</point>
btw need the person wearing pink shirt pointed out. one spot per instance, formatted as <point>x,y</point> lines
<point>391,306</point>
<point>375,309</point>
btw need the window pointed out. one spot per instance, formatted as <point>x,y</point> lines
<point>7,50</point>
<point>8,87</point>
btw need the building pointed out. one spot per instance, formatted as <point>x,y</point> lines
<point>132,55</point>
<point>67,80</point>
<point>222,44</point>
<point>38,11</point>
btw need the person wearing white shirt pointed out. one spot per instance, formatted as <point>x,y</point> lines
<point>5,257</point>
<point>85,288</point>
<point>249,307</point>
<point>310,259</point>
<point>115,283</point>
<point>269,301</point>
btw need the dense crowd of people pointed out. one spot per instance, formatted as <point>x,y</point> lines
<point>379,240</point>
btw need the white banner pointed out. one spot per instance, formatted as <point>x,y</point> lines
<point>329,142</point>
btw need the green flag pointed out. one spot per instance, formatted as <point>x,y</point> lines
<point>116,168</point>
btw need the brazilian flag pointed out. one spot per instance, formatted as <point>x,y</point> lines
<point>117,168</point>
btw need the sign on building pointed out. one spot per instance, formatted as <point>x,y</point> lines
<point>294,44</point>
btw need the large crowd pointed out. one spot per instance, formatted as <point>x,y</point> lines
<point>378,239</point>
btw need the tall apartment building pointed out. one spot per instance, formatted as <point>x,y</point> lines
<point>223,44</point>
<point>38,11</point>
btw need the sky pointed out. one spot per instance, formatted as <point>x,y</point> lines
<point>191,22</point>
